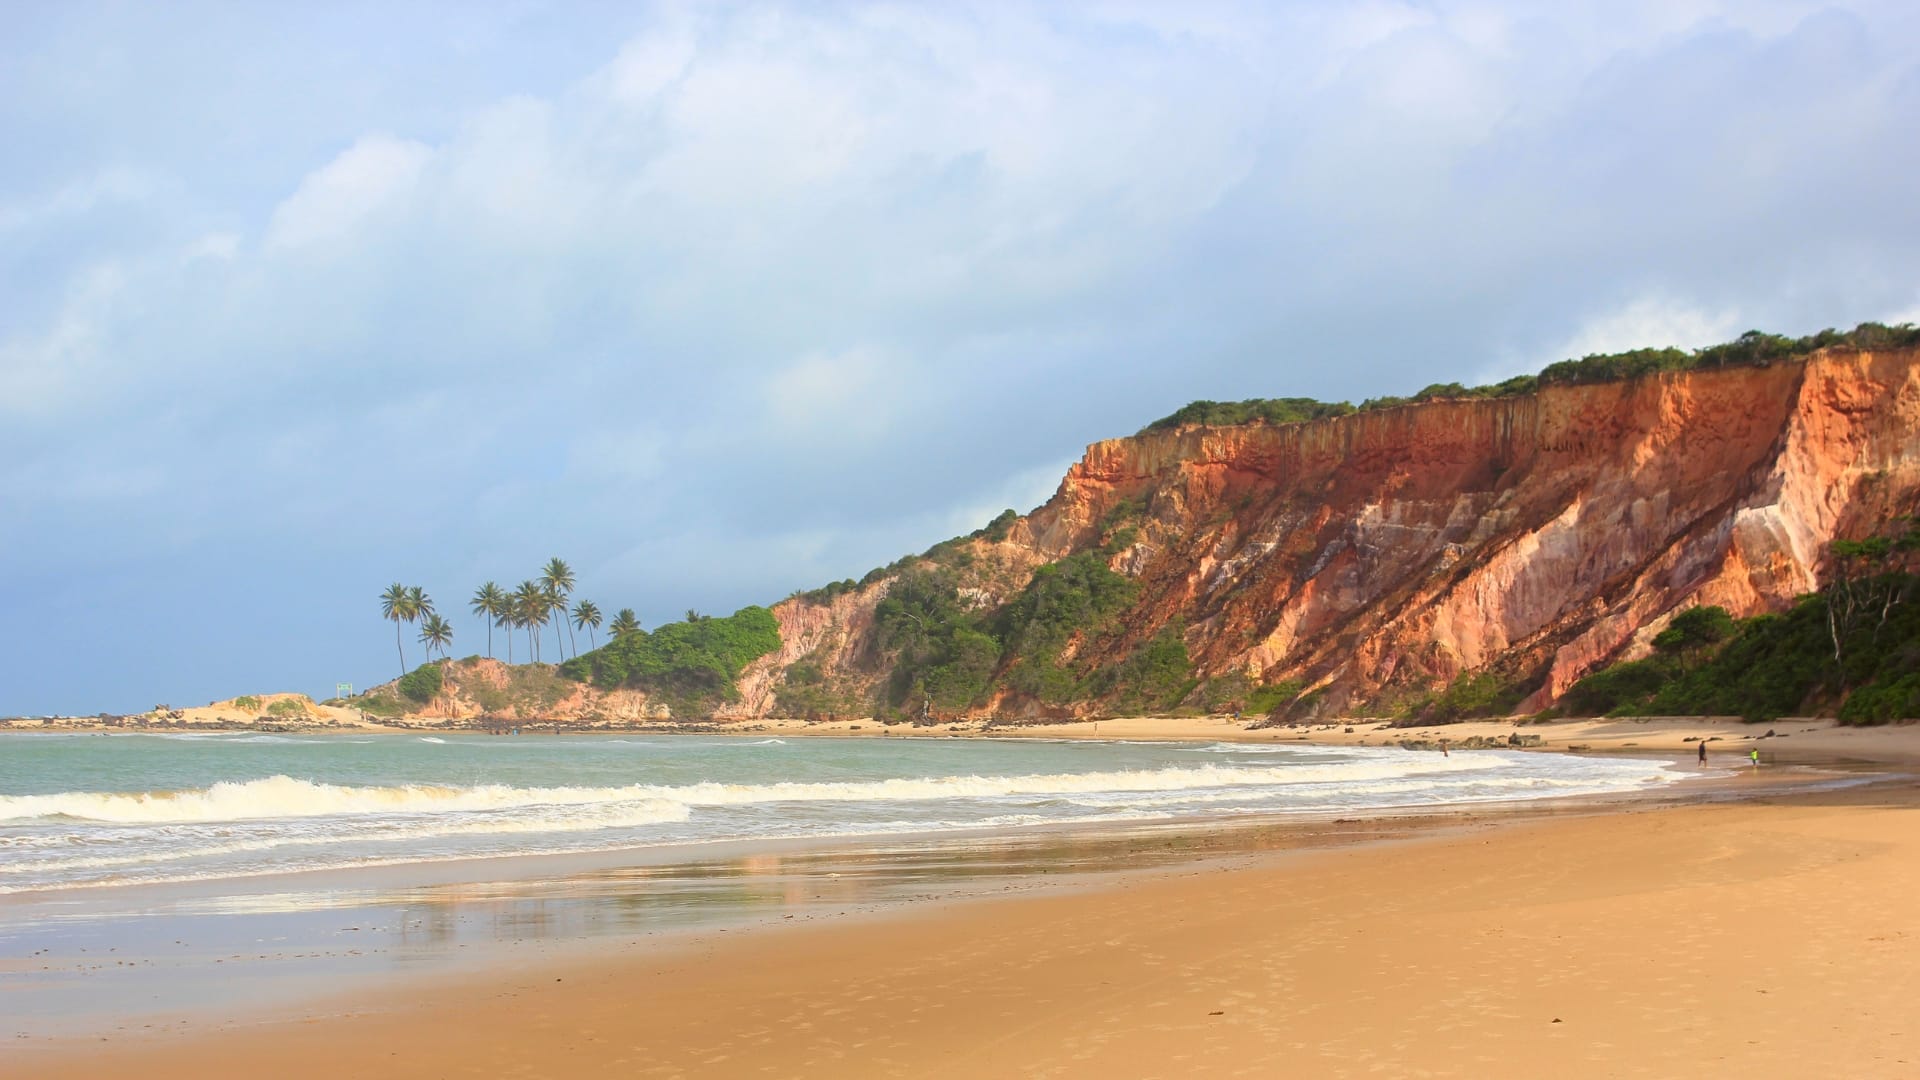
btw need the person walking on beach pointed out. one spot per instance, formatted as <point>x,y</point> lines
<point>1755,755</point>
<point>1703,751</point>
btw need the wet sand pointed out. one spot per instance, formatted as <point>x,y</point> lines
<point>1773,937</point>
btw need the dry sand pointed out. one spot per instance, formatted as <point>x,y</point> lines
<point>1794,739</point>
<point>1763,939</point>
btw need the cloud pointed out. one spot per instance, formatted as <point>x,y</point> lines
<point>332,201</point>
<point>1651,322</point>
<point>1909,314</point>
<point>217,246</point>
<point>723,300</point>
<point>40,373</point>
<point>76,198</point>
<point>846,395</point>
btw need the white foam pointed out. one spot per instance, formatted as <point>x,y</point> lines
<point>284,796</point>
<point>562,819</point>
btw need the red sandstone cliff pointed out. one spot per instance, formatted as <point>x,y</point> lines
<point>1539,535</point>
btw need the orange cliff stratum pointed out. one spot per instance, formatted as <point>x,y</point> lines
<point>1539,536</point>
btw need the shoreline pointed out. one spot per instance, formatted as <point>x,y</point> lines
<point>1300,958</point>
<point>824,886</point>
<point>306,913</point>
<point>1814,740</point>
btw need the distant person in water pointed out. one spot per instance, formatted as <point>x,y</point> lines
<point>1703,751</point>
<point>1755,755</point>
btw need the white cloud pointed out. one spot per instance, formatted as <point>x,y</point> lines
<point>649,64</point>
<point>215,246</point>
<point>1023,491</point>
<point>626,455</point>
<point>77,198</point>
<point>41,373</point>
<point>332,200</point>
<point>1650,322</point>
<point>844,395</point>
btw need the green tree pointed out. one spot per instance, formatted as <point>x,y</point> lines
<point>399,604</point>
<point>1695,628</point>
<point>530,612</point>
<point>557,614</point>
<point>436,634</point>
<point>586,616</point>
<point>489,603</point>
<point>557,576</point>
<point>624,622</point>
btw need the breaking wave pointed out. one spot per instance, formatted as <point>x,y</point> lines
<point>287,797</point>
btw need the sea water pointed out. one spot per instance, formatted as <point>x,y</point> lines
<point>103,810</point>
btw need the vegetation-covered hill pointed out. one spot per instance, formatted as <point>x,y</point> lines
<point>1485,551</point>
<point>1476,555</point>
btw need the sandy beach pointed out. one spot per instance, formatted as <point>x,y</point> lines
<point>1793,740</point>
<point>1772,936</point>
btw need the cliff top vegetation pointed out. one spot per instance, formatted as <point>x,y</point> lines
<point>1751,349</point>
<point>691,665</point>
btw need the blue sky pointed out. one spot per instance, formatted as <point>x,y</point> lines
<point>720,301</point>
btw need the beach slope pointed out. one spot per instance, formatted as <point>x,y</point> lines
<point>1773,938</point>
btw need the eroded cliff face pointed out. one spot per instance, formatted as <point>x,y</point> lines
<point>1539,536</point>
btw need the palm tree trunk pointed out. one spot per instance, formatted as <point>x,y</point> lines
<point>509,645</point>
<point>399,646</point>
<point>572,641</point>
<point>489,639</point>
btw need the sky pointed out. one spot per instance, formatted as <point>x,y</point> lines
<point>720,301</point>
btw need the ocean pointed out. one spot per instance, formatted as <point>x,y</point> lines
<point>96,811</point>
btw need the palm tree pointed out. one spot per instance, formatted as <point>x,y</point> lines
<point>557,576</point>
<point>530,611</point>
<point>421,605</point>
<point>557,611</point>
<point>694,616</point>
<point>514,619</point>
<point>586,616</point>
<point>624,622</point>
<point>489,603</point>
<point>396,604</point>
<point>436,633</point>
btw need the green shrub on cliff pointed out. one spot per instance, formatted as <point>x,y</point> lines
<point>691,664</point>
<point>1852,651</point>
<point>1157,676</point>
<point>1751,349</point>
<point>941,656</point>
<point>1269,410</point>
<point>1265,699</point>
<point>1473,694</point>
<point>807,692</point>
<point>996,530</point>
<point>422,683</point>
